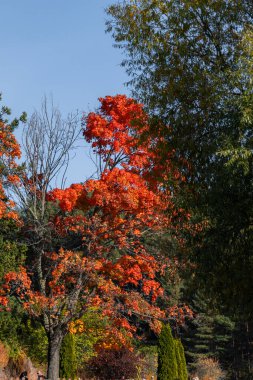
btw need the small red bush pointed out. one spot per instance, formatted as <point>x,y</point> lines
<point>113,364</point>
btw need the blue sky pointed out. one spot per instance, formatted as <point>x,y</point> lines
<point>58,48</point>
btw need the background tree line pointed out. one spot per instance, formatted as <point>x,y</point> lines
<point>190,63</point>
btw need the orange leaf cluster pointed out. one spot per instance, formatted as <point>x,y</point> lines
<point>111,269</point>
<point>116,130</point>
<point>9,152</point>
<point>179,313</point>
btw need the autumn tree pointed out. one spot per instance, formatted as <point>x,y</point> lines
<point>48,141</point>
<point>91,251</point>
<point>12,253</point>
<point>9,153</point>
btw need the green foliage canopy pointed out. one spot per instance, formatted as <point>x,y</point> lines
<point>190,63</point>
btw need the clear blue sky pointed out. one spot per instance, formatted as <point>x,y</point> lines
<point>58,47</point>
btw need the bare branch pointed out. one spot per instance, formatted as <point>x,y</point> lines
<point>48,141</point>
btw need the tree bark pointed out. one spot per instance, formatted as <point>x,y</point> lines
<point>54,345</point>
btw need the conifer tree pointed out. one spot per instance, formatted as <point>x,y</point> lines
<point>167,364</point>
<point>68,362</point>
<point>210,335</point>
<point>181,362</point>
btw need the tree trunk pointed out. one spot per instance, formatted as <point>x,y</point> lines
<point>54,345</point>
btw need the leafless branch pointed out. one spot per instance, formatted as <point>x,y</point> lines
<point>48,143</point>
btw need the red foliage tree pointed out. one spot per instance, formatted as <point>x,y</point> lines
<point>9,152</point>
<point>114,364</point>
<point>109,267</point>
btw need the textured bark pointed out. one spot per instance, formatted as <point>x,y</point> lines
<point>54,345</point>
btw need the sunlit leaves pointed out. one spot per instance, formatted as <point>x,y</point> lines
<point>9,152</point>
<point>110,267</point>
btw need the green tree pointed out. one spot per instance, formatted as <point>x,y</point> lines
<point>167,363</point>
<point>12,255</point>
<point>213,336</point>
<point>191,65</point>
<point>86,341</point>
<point>183,58</point>
<point>181,362</point>
<point>68,362</point>
<point>5,112</point>
<point>33,339</point>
